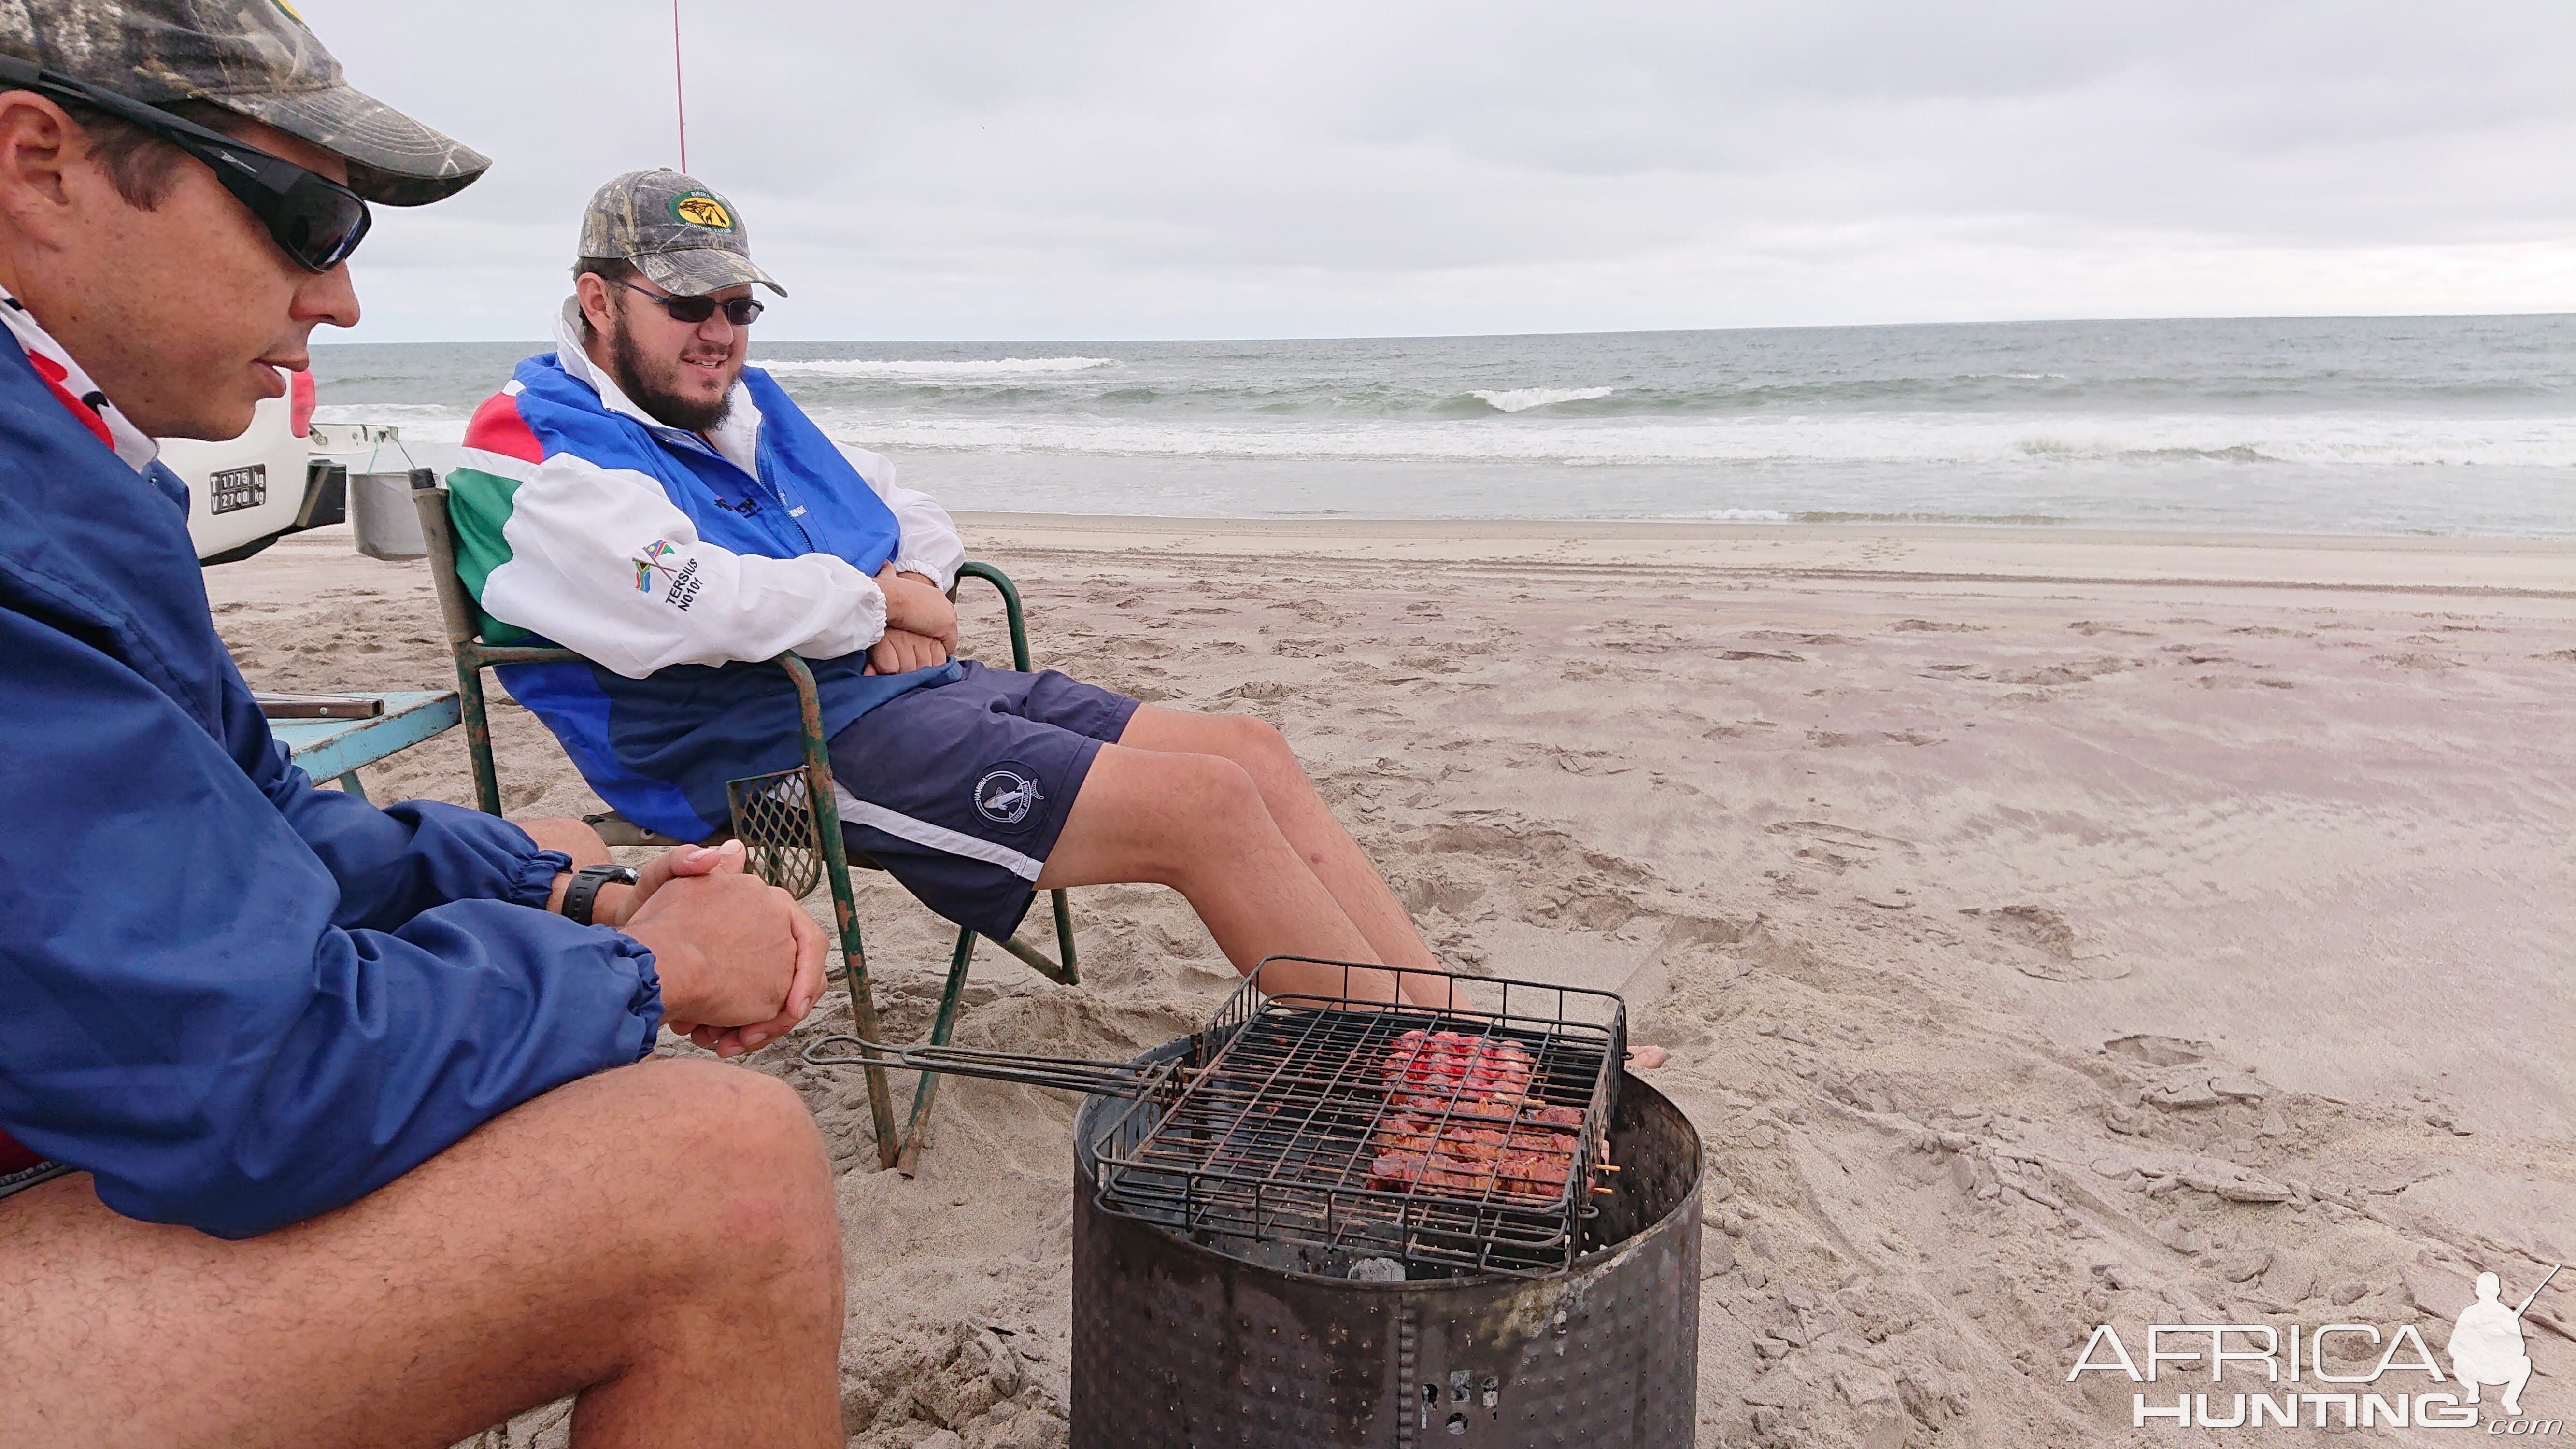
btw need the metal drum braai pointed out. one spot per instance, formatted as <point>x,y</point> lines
<point>1324,1221</point>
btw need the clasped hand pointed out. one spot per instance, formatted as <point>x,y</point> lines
<point>921,625</point>
<point>740,961</point>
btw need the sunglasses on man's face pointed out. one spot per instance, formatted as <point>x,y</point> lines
<point>315,220</point>
<point>741,311</point>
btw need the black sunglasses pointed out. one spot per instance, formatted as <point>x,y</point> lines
<point>315,220</point>
<point>741,311</point>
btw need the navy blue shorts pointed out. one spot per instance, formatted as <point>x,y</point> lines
<point>960,790</point>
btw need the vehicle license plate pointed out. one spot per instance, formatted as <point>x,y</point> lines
<point>232,489</point>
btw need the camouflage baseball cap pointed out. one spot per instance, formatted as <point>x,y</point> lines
<point>252,57</point>
<point>684,238</point>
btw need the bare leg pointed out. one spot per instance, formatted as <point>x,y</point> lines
<point>1308,823</point>
<point>1310,826</point>
<point>1198,824</point>
<point>659,1239</point>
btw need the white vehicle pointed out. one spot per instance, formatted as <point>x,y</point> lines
<point>244,494</point>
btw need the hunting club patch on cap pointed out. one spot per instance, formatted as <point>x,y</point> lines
<point>700,208</point>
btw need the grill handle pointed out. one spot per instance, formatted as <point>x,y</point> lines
<point>1071,1074</point>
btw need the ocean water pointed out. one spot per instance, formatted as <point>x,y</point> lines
<point>2460,426</point>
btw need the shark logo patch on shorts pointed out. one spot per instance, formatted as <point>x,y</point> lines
<point>1008,795</point>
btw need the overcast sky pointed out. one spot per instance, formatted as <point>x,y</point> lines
<point>1027,171</point>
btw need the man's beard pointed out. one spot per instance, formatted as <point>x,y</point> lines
<point>665,406</point>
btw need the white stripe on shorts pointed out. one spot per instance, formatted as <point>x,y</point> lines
<point>937,837</point>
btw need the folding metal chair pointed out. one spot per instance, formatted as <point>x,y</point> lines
<point>788,822</point>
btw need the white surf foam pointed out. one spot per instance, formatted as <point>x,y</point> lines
<point>1522,399</point>
<point>420,422</point>
<point>2014,444</point>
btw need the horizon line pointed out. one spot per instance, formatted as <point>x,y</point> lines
<point>1585,332</point>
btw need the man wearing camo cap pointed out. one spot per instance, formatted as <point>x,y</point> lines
<point>645,498</point>
<point>320,1123</point>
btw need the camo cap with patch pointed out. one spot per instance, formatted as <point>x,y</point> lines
<point>684,238</point>
<point>252,57</point>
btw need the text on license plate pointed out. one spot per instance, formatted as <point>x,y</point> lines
<point>232,489</point>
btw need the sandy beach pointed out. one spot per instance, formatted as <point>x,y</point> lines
<point>2047,928</point>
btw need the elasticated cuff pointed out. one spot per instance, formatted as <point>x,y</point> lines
<point>946,579</point>
<point>535,878</point>
<point>644,1008</point>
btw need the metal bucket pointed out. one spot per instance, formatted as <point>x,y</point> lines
<point>382,515</point>
<point>1179,1346</point>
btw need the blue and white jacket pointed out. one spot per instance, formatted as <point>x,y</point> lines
<point>677,565</point>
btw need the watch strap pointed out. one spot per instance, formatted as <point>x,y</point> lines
<point>583,893</point>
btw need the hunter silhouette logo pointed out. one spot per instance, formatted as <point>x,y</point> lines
<point>1005,796</point>
<point>699,209</point>
<point>2486,1343</point>
<point>649,562</point>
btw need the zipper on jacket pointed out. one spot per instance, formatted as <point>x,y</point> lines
<point>777,495</point>
<point>795,510</point>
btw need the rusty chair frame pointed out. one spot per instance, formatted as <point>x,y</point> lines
<point>457,610</point>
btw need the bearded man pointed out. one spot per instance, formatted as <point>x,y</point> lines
<point>644,498</point>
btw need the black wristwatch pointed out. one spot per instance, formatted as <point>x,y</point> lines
<point>584,889</point>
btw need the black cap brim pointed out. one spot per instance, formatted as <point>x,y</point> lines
<point>393,159</point>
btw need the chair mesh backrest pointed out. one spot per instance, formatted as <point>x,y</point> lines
<point>781,841</point>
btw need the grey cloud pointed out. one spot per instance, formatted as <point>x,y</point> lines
<point>1027,169</point>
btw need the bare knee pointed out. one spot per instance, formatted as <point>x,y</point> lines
<point>751,1186</point>
<point>1214,813</point>
<point>1257,746</point>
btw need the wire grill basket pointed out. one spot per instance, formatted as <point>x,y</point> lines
<point>1319,1123</point>
<point>775,823</point>
<point>1322,1129</point>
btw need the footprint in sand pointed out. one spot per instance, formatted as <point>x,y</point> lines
<point>2159,1051</point>
<point>2039,943</point>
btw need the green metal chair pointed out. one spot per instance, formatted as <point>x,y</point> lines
<point>788,822</point>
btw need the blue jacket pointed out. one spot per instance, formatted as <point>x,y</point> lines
<point>676,573</point>
<point>236,999</point>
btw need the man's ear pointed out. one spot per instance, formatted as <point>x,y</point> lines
<point>39,145</point>
<point>596,305</point>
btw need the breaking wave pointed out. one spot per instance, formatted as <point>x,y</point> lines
<point>2389,425</point>
<point>419,422</point>
<point>2020,445</point>
<point>1522,399</point>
